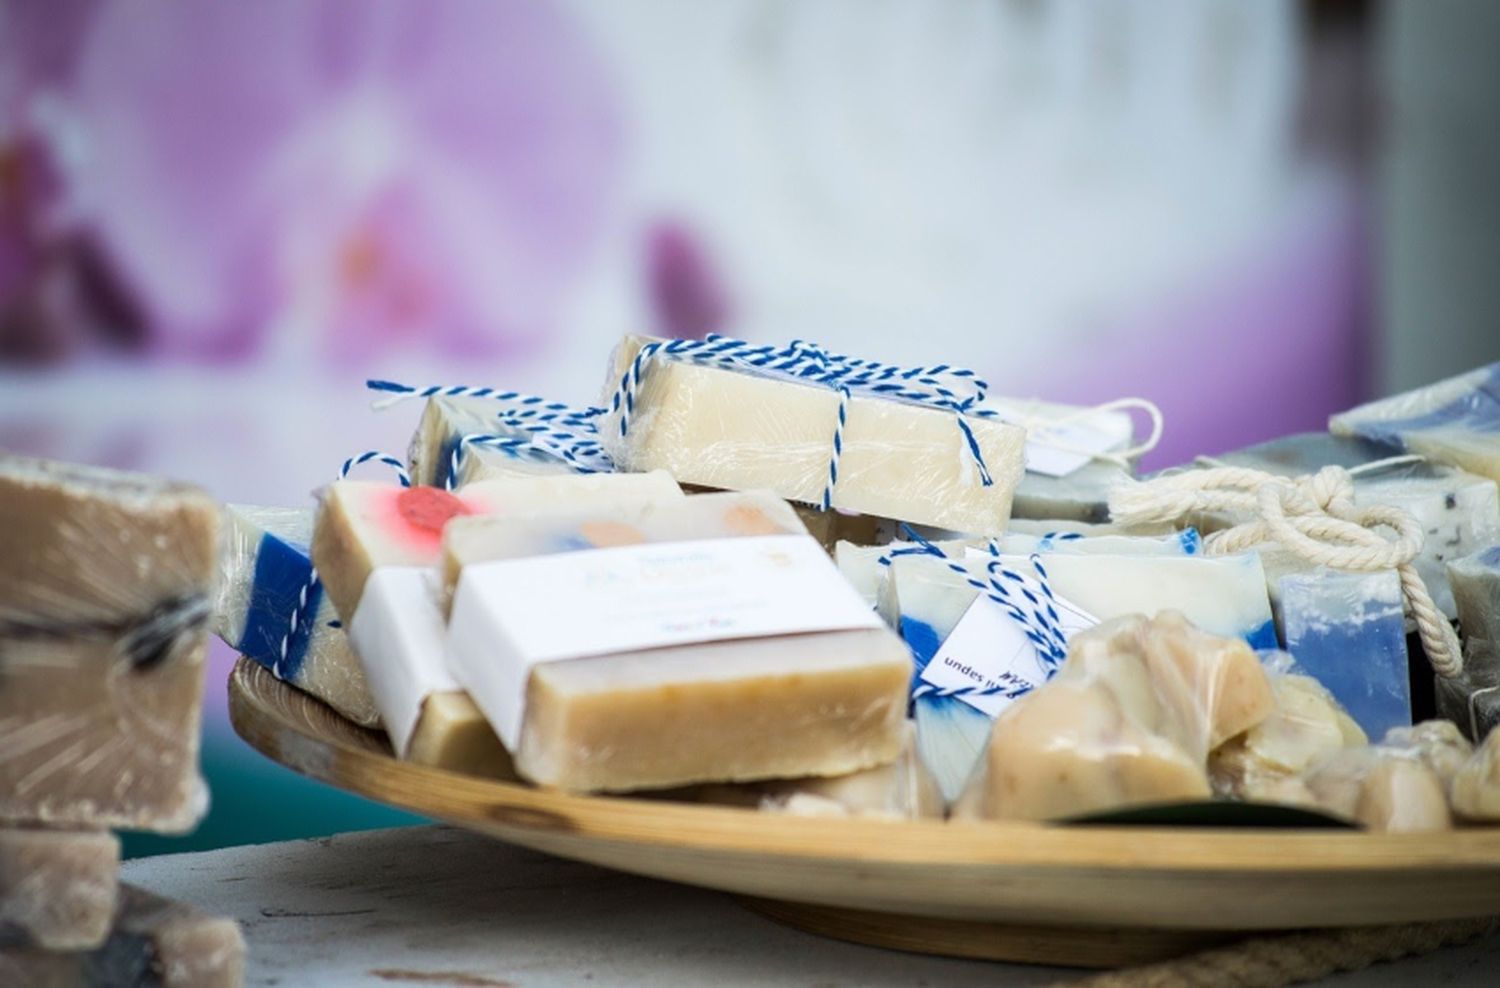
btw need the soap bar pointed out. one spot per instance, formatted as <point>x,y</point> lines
<point>901,790</point>
<point>1082,495</point>
<point>1472,699</point>
<point>1458,511</point>
<point>377,548</point>
<point>57,888</point>
<point>447,421</point>
<point>1475,788</point>
<point>1436,743</point>
<point>1454,421</point>
<point>154,943</point>
<point>1384,790</point>
<point>734,430</point>
<point>1306,726</point>
<point>1347,630</point>
<point>584,708</point>
<point>269,607</point>
<point>105,582</point>
<point>1475,580</point>
<point>1129,720</point>
<point>1052,526</point>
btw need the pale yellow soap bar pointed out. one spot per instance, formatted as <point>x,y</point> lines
<point>821,703</point>
<point>734,430</point>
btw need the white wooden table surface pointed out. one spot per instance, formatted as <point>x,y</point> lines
<point>436,906</point>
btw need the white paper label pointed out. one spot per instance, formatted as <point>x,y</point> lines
<point>988,650</point>
<point>512,614</point>
<point>1081,441</point>
<point>397,632</point>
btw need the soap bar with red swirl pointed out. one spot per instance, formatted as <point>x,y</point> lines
<point>376,547</point>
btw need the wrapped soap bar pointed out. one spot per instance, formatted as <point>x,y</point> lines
<point>1130,719</point>
<point>461,440</point>
<point>57,887</point>
<point>729,415</point>
<point>270,607</point>
<point>664,644</point>
<point>901,790</point>
<point>377,548</point>
<point>1458,511</point>
<point>153,943</point>
<point>1475,787</point>
<point>1435,743</point>
<point>1454,421</point>
<point>1475,580</point>
<point>1472,699</point>
<point>1306,726</point>
<point>1385,790</point>
<point>105,580</point>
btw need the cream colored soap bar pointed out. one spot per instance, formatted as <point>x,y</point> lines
<point>740,431</point>
<point>57,887</point>
<point>656,716</point>
<point>439,454</point>
<point>1129,719</point>
<point>377,546</point>
<point>154,943</point>
<point>105,581</point>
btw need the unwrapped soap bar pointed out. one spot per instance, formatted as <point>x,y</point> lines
<point>105,581</point>
<point>153,943</point>
<point>1454,421</point>
<point>679,701</point>
<point>737,430</point>
<point>269,608</point>
<point>57,888</point>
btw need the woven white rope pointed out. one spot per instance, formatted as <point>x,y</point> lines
<point>1313,516</point>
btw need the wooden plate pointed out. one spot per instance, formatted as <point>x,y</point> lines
<point>1086,896</point>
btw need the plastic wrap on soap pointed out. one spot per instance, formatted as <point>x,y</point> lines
<point>738,428</point>
<point>105,584</point>
<point>1475,580</point>
<point>1475,787</point>
<point>269,606</point>
<point>1130,719</point>
<point>1384,789</point>
<point>1453,421</point>
<point>1472,698</point>
<point>461,441</point>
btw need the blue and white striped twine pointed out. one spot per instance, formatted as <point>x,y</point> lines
<point>538,427</point>
<point>1038,619</point>
<point>299,613</point>
<point>941,386</point>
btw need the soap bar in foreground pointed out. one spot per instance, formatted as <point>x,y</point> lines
<point>57,888</point>
<point>269,608</point>
<point>734,430</point>
<point>641,687</point>
<point>153,943</point>
<point>105,581</point>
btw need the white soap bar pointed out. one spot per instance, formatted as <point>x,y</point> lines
<point>446,422</point>
<point>269,608</point>
<point>736,430</point>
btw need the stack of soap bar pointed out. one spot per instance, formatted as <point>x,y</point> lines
<point>269,608</point>
<point>1458,511</point>
<point>57,888</point>
<point>153,943</point>
<point>902,790</point>
<point>617,671</point>
<point>1130,719</point>
<point>447,421</point>
<point>1472,700</point>
<point>734,430</point>
<point>1266,762</point>
<point>1454,421</point>
<point>105,581</point>
<point>377,547</point>
<point>1475,788</point>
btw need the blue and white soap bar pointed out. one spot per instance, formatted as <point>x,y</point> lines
<point>1454,421</point>
<point>268,608</point>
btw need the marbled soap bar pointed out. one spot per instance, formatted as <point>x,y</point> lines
<point>447,421</point>
<point>1458,511</point>
<point>153,943</point>
<point>269,607</point>
<point>105,582</point>
<point>57,888</point>
<point>621,672</point>
<point>1130,719</point>
<point>1454,421</point>
<point>901,790</point>
<point>733,430</point>
<point>377,548</point>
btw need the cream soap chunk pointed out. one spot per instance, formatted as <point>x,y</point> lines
<point>819,703</point>
<point>1306,726</point>
<point>268,607</point>
<point>105,581</point>
<point>154,943</point>
<point>57,888</point>
<point>739,431</point>
<point>1129,720</point>
<point>1383,790</point>
<point>377,548</point>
